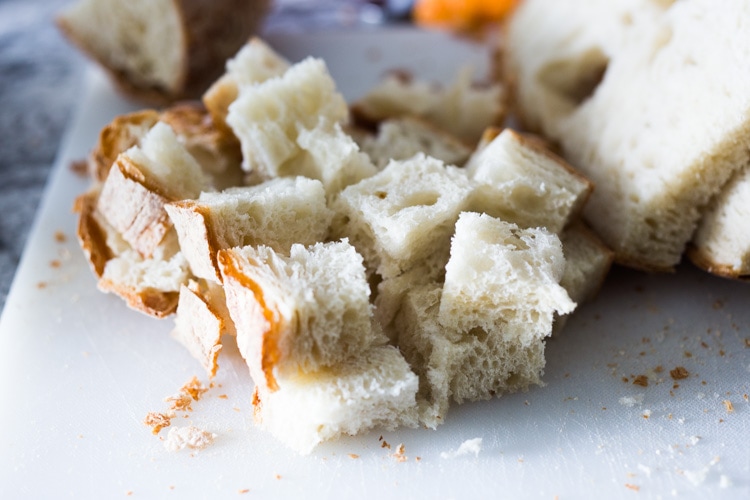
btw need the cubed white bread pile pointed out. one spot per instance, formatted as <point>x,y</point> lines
<point>649,99</point>
<point>360,291</point>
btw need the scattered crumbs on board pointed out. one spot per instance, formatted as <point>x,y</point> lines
<point>469,446</point>
<point>631,401</point>
<point>188,437</point>
<point>400,453</point>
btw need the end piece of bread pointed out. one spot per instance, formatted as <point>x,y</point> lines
<point>403,137</point>
<point>463,109</point>
<point>721,244</point>
<point>255,62</point>
<point>376,389</point>
<point>520,181</point>
<point>400,215</point>
<point>277,213</point>
<point>162,50</point>
<point>268,117</point>
<point>142,180</point>
<point>308,311</point>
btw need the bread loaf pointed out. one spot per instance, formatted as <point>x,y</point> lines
<point>161,51</point>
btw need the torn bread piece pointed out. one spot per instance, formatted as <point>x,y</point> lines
<point>399,216</point>
<point>276,213</point>
<point>162,50</point>
<point>522,182</point>
<point>375,389</point>
<point>464,109</point>
<point>481,333</point>
<point>403,137</point>
<point>201,320</point>
<point>308,311</point>
<point>143,179</point>
<point>255,62</point>
<point>655,167</point>
<point>268,117</point>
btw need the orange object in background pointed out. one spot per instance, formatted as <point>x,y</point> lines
<point>461,15</point>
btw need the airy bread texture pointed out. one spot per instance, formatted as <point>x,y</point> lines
<point>655,166</point>
<point>401,138</point>
<point>463,109</point>
<point>587,262</point>
<point>268,117</point>
<point>276,213</point>
<point>520,181</point>
<point>255,62</point>
<point>398,217</point>
<point>306,312</point>
<point>376,389</point>
<point>162,50</point>
<point>721,244</point>
<point>481,332</point>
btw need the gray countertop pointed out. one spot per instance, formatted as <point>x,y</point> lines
<point>40,75</point>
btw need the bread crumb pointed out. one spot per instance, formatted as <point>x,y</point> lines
<point>400,455</point>
<point>80,167</point>
<point>385,444</point>
<point>242,492</point>
<point>191,391</point>
<point>728,405</point>
<point>641,380</point>
<point>631,401</point>
<point>679,373</point>
<point>469,446</point>
<point>645,469</point>
<point>646,414</point>
<point>353,456</point>
<point>694,440</point>
<point>633,487</point>
<point>724,481</point>
<point>222,396</point>
<point>188,437</point>
<point>278,476</point>
<point>157,421</point>
<point>60,237</point>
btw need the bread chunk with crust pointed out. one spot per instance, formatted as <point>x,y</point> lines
<point>308,311</point>
<point>276,213</point>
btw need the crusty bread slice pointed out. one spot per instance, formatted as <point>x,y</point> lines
<point>268,117</point>
<point>255,62</point>
<point>142,180</point>
<point>522,182</point>
<point>309,311</point>
<point>198,326</point>
<point>403,137</point>
<point>721,245</point>
<point>500,276</point>
<point>400,216</point>
<point>655,166</point>
<point>162,50</point>
<point>463,109</point>
<point>376,389</point>
<point>277,213</point>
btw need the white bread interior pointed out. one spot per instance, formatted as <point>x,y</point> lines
<point>521,182</point>
<point>376,389</point>
<point>463,109</point>
<point>268,117</point>
<point>399,216</point>
<point>276,213</point>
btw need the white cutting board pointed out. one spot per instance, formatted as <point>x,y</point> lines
<point>79,371</point>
